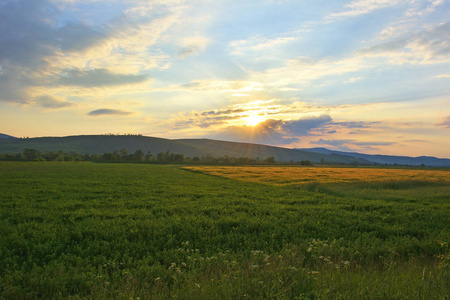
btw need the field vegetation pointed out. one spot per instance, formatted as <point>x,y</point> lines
<point>148,231</point>
<point>288,175</point>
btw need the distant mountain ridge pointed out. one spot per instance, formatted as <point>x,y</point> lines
<point>386,159</point>
<point>99,144</point>
<point>233,149</point>
<point>5,136</point>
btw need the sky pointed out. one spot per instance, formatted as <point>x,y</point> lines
<point>370,76</point>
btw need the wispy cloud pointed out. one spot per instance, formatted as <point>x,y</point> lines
<point>51,102</point>
<point>445,122</point>
<point>426,47</point>
<point>361,7</point>
<point>108,111</point>
<point>98,78</point>
<point>258,43</point>
<point>217,86</point>
<point>351,142</point>
<point>192,45</point>
<point>423,7</point>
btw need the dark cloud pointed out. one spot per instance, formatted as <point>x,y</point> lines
<point>107,111</point>
<point>274,132</point>
<point>256,134</point>
<point>78,37</point>
<point>50,102</point>
<point>222,112</point>
<point>31,34</point>
<point>99,78</point>
<point>26,35</point>
<point>303,126</point>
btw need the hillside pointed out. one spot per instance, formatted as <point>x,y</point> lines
<point>99,144</point>
<point>5,136</point>
<point>233,149</point>
<point>91,144</point>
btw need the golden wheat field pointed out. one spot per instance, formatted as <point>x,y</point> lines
<point>286,175</point>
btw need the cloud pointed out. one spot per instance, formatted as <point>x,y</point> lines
<point>46,43</point>
<point>259,43</point>
<point>51,102</point>
<point>107,111</point>
<point>355,124</point>
<point>445,122</point>
<point>274,132</point>
<point>13,84</point>
<point>443,76</point>
<point>99,78</point>
<point>361,7</point>
<point>300,72</point>
<point>219,86</point>
<point>78,36</point>
<point>426,7</point>
<point>207,119</point>
<point>31,33</point>
<point>192,45</point>
<point>303,126</point>
<point>350,142</point>
<point>427,47</point>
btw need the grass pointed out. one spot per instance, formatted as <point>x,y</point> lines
<point>84,230</point>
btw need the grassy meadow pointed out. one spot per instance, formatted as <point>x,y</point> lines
<point>87,230</point>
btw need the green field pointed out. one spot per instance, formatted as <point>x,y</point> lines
<point>86,230</point>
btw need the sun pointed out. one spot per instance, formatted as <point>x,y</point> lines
<point>253,120</point>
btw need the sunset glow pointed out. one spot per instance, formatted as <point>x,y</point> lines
<point>253,120</point>
<point>356,75</point>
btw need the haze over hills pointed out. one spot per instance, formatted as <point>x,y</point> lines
<point>386,159</point>
<point>99,144</point>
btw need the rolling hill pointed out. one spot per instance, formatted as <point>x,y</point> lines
<point>233,149</point>
<point>99,144</point>
<point>91,144</point>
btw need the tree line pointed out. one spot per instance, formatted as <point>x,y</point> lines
<point>137,156</point>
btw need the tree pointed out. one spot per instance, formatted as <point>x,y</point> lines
<point>123,153</point>
<point>270,160</point>
<point>160,156</point>
<point>306,163</point>
<point>149,156</point>
<point>139,155</point>
<point>31,154</point>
